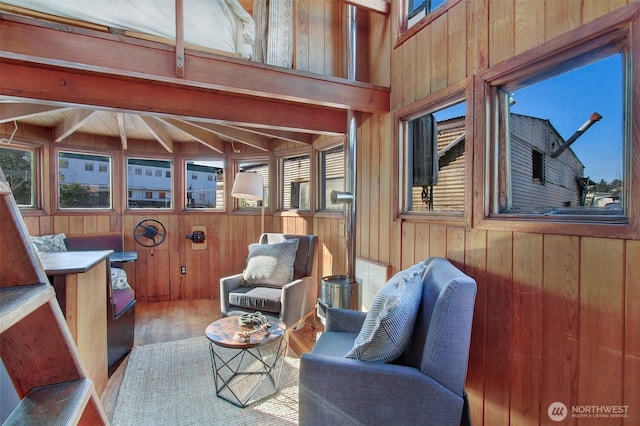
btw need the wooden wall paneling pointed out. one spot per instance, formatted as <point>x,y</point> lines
<point>595,9</point>
<point>501,30</point>
<point>317,36</point>
<point>438,240</point>
<point>217,248</point>
<point>409,71</point>
<point>456,245</point>
<point>408,243</point>
<point>423,57</point>
<point>380,49</point>
<point>397,66</point>
<point>632,330</point>
<point>422,242</point>
<point>601,343</point>
<point>456,37</point>
<point>61,224</point>
<point>365,203</point>
<point>499,326</point>
<point>386,187</point>
<point>334,42</point>
<point>561,17</point>
<point>180,285</point>
<point>439,67</point>
<point>529,24</point>
<point>526,341</point>
<point>560,325</point>
<point>374,186</point>
<point>90,224</point>
<point>476,260</point>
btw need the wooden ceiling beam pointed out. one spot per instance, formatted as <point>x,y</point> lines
<point>26,81</point>
<point>199,135</point>
<point>238,135</point>
<point>75,48</point>
<point>295,137</point>
<point>159,132</point>
<point>122,130</point>
<point>75,120</point>
<point>10,111</point>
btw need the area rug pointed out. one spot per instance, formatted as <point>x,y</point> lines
<point>172,383</point>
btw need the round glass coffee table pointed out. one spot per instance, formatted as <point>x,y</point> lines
<point>243,361</point>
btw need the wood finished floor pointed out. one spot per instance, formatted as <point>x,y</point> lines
<point>181,319</point>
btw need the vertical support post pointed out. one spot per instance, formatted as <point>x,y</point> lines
<point>179,38</point>
<point>350,154</point>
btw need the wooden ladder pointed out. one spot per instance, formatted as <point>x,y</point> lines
<point>36,345</point>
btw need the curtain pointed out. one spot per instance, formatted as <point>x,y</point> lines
<point>274,32</point>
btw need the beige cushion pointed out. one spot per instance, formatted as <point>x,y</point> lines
<point>50,243</point>
<point>270,264</point>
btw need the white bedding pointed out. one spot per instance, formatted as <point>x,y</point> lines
<point>218,24</point>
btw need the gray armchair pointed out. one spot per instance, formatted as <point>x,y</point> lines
<point>425,386</point>
<point>292,303</point>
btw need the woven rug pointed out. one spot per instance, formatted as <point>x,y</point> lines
<point>172,383</point>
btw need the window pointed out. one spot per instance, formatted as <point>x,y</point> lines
<point>418,9</point>
<point>434,160</point>
<point>537,161</point>
<point>78,187</point>
<point>295,183</point>
<point>18,166</point>
<point>260,166</point>
<point>144,191</point>
<point>565,131</point>
<point>331,176</point>
<point>103,168</point>
<point>206,192</point>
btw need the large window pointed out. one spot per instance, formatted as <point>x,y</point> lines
<point>260,166</point>
<point>434,160</point>
<point>296,189</point>
<point>331,176</point>
<point>561,151</point>
<point>564,142</point>
<point>149,189</point>
<point>204,181</point>
<point>418,9</point>
<point>18,166</point>
<point>84,181</point>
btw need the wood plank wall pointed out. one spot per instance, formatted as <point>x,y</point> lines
<point>557,317</point>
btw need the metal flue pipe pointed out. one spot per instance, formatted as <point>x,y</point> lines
<point>350,152</point>
<point>562,148</point>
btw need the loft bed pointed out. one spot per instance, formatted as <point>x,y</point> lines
<point>220,25</point>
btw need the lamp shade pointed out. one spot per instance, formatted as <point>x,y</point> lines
<point>248,186</point>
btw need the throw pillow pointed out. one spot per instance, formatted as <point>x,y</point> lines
<point>388,326</point>
<point>119,279</point>
<point>50,243</point>
<point>270,264</point>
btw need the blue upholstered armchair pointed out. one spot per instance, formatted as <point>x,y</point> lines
<point>424,386</point>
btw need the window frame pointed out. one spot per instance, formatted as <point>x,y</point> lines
<point>188,177</point>
<point>173,189</point>
<point>37,190</point>
<point>405,31</point>
<point>55,183</point>
<point>605,36</point>
<point>320,149</point>
<point>289,154</point>
<point>461,92</point>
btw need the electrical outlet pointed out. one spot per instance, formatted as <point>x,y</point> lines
<point>183,270</point>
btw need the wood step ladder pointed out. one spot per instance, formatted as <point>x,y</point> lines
<point>36,345</point>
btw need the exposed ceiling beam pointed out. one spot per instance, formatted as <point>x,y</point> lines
<point>199,135</point>
<point>159,132</point>
<point>26,81</point>
<point>238,135</point>
<point>75,48</point>
<point>75,120</point>
<point>296,137</point>
<point>379,6</point>
<point>10,111</point>
<point>122,129</point>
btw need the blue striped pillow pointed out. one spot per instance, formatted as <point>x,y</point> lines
<point>388,326</point>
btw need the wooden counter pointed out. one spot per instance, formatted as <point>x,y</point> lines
<point>80,281</point>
